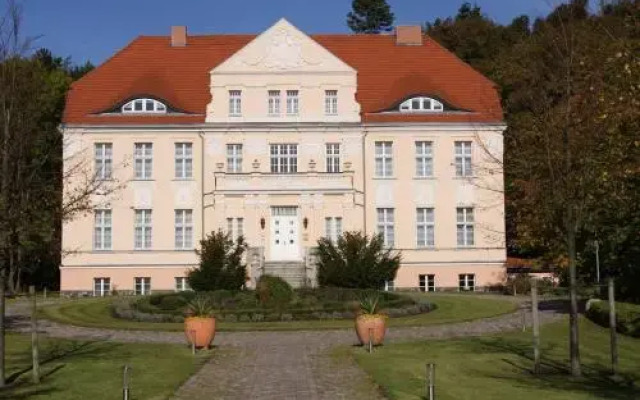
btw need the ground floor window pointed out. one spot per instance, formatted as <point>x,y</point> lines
<point>467,282</point>
<point>101,286</point>
<point>333,228</point>
<point>427,283</point>
<point>143,286</point>
<point>182,284</point>
<point>389,286</point>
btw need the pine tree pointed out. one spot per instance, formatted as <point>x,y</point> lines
<point>370,16</point>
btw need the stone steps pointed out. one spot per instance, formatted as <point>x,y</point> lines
<point>291,271</point>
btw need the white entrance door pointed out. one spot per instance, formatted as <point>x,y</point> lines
<point>284,234</point>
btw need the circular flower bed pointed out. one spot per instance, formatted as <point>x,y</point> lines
<point>249,306</point>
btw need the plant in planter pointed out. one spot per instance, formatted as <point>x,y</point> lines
<point>199,323</point>
<point>370,322</point>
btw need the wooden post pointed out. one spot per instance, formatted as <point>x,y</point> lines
<point>370,340</point>
<point>34,336</point>
<point>536,326</point>
<point>431,381</point>
<point>612,326</point>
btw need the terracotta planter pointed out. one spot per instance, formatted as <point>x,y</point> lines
<point>374,324</point>
<point>200,330</point>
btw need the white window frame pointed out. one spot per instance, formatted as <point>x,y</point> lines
<point>425,227</point>
<point>333,228</point>
<point>273,103</point>
<point>427,282</point>
<point>143,229</point>
<point>465,226</point>
<point>332,157</point>
<point>183,160</point>
<point>103,153</point>
<point>386,225</point>
<point>142,285</point>
<point>143,160</point>
<point>384,159</point>
<point>235,227</point>
<point>331,102</point>
<point>293,102</point>
<point>284,158</point>
<point>144,106</point>
<point>102,230</point>
<point>389,286</point>
<point>463,158</point>
<point>424,159</point>
<point>466,282</point>
<point>234,158</point>
<point>421,105</point>
<point>183,231</point>
<point>103,286</point>
<point>235,103</point>
<point>181,284</point>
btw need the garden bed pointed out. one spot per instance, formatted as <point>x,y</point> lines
<point>627,316</point>
<point>245,306</point>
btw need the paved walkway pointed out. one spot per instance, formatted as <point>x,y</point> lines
<point>280,365</point>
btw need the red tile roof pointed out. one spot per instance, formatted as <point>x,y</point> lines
<point>387,74</point>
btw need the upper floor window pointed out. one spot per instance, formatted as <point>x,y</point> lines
<point>144,106</point>
<point>102,230</point>
<point>333,157</point>
<point>284,158</point>
<point>463,159</point>
<point>293,102</point>
<point>235,103</point>
<point>385,225</point>
<point>142,230</point>
<point>421,104</point>
<point>425,227</point>
<point>465,223</point>
<point>384,159</point>
<point>234,158</point>
<point>331,102</point>
<point>143,158</point>
<point>184,160</point>
<point>424,159</point>
<point>274,103</point>
<point>103,160</point>
<point>183,229</point>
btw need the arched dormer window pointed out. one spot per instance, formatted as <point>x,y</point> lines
<point>421,104</point>
<point>144,106</point>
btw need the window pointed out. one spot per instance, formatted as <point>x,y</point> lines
<point>421,104</point>
<point>234,158</point>
<point>102,230</point>
<point>427,283</point>
<point>284,158</point>
<point>331,102</point>
<point>463,159</point>
<point>389,286</point>
<point>384,159</point>
<point>143,286</point>
<point>103,160</point>
<point>464,219</point>
<point>101,286</point>
<point>235,103</point>
<point>145,106</point>
<point>467,282</point>
<point>182,284</point>
<point>425,227</point>
<point>274,103</point>
<point>142,229</point>
<point>385,225</point>
<point>143,158</point>
<point>235,227</point>
<point>424,159</point>
<point>333,228</point>
<point>333,157</point>
<point>184,160</point>
<point>184,229</point>
<point>293,102</point>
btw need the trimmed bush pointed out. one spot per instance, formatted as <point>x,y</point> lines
<point>627,316</point>
<point>273,292</point>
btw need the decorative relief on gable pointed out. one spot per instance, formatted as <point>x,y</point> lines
<point>424,193</point>
<point>142,195</point>
<point>284,52</point>
<point>384,194</point>
<point>465,193</point>
<point>183,194</point>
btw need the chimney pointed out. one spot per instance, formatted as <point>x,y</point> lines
<point>409,35</point>
<point>178,36</point>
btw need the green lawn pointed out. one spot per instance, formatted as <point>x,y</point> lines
<point>451,308</point>
<point>498,367</point>
<point>93,370</point>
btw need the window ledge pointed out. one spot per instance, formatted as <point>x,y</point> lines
<point>142,180</point>
<point>183,179</point>
<point>461,178</point>
<point>466,248</point>
<point>384,178</point>
<point>425,178</point>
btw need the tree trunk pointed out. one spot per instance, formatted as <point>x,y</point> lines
<point>2,305</point>
<point>574,343</point>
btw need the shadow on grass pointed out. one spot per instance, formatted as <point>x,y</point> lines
<point>596,378</point>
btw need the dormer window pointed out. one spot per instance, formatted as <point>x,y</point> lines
<point>421,104</point>
<point>144,106</point>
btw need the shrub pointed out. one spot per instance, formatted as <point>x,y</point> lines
<point>356,261</point>
<point>221,264</point>
<point>522,284</point>
<point>627,316</point>
<point>273,291</point>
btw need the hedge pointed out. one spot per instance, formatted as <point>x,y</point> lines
<point>627,316</point>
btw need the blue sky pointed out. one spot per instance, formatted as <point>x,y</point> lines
<point>95,29</point>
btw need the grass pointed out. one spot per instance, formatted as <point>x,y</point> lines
<point>95,313</point>
<point>498,367</point>
<point>94,370</point>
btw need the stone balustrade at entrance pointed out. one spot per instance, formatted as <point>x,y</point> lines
<point>296,182</point>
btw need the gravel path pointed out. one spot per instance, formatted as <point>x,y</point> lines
<point>280,365</point>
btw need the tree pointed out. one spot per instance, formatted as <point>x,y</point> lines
<point>221,264</point>
<point>356,261</point>
<point>370,16</point>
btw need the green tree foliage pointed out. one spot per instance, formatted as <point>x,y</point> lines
<point>221,264</point>
<point>356,261</point>
<point>370,16</point>
<point>273,291</point>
